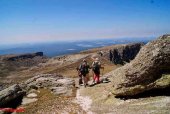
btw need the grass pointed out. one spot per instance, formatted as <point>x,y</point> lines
<point>70,70</point>
<point>48,103</point>
<point>164,80</point>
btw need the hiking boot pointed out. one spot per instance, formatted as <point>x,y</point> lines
<point>97,82</point>
<point>85,85</point>
<point>94,83</point>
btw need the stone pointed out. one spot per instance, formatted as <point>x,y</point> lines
<point>28,100</point>
<point>56,83</point>
<point>59,90</point>
<point>31,95</point>
<point>146,71</point>
<point>9,94</point>
<point>67,81</point>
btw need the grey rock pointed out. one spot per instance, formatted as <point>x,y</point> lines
<point>62,90</point>
<point>145,71</point>
<point>10,93</point>
<point>28,100</point>
<point>67,82</point>
<point>30,95</point>
<point>57,83</point>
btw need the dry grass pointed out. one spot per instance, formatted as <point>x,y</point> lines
<point>70,70</point>
<point>50,103</point>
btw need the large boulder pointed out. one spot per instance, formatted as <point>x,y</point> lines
<point>124,53</point>
<point>146,71</point>
<point>10,94</point>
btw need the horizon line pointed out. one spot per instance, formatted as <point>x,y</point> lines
<point>77,40</point>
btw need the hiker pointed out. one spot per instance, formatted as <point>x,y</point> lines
<point>80,76</point>
<point>84,71</point>
<point>96,66</point>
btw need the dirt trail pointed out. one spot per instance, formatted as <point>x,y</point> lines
<point>102,101</point>
<point>47,102</point>
<point>84,101</point>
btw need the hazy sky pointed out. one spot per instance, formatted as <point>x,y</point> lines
<point>23,21</point>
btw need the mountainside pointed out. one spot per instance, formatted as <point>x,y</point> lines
<point>11,62</point>
<point>15,68</point>
<point>45,85</point>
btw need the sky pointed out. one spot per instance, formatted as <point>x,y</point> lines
<point>27,21</point>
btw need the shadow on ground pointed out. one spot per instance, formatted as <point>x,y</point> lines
<point>150,93</point>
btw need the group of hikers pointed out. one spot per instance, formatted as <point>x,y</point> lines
<point>83,72</point>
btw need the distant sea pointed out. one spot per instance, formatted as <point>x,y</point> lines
<point>62,48</point>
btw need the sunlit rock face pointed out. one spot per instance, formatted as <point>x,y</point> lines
<point>149,70</point>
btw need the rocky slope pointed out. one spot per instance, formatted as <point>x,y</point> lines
<point>40,85</point>
<point>56,83</point>
<point>50,87</point>
<point>146,71</point>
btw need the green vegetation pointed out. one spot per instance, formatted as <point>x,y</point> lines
<point>164,80</point>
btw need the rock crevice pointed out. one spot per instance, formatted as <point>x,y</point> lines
<point>124,53</point>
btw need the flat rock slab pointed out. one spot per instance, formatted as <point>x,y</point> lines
<point>28,100</point>
<point>31,95</point>
<point>57,83</point>
<point>59,90</point>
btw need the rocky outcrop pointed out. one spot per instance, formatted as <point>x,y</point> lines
<point>56,83</point>
<point>28,59</point>
<point>10,94</point>
<point>9,63</point>
<point>13,95</point>
<point>23,56</point>
<point>124,53</point>
<point>146,71</point>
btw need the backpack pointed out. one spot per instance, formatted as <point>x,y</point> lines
<point>83,69</point>
<point>96,67</point>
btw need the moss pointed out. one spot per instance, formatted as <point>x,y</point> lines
<point>129,90</point>
<point>163,81</point>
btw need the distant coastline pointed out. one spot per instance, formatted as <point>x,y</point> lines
<point>62,48</point>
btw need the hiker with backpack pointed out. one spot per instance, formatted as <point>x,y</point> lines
<point>96,66</point>
<point>83,72</point>
<point>80,76</point>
